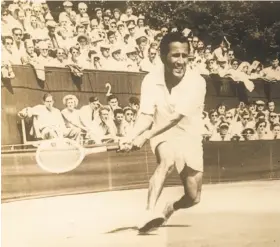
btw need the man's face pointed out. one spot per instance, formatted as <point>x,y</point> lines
<point>17,35</point>
<point>276,131</point>
<point>75,53</point>
<point>129,116</point>
<point>117,15</point>
<point>195,42</point>
<point>152,54</point>
<point>252,108</point>
<point>49,102</point>
<point>117,55</point>
<point>44,51</point>
<point>271,106</point>
<point>230,55</point>
<point>70,104</point>
<point>106,20</point>
<point>223,131</point>
<point>95,105</point>
<point>214,117</point>
<point>60,54</point>
<point>131,31</point>
<point>248,135</point>
<point>260,107</point>
<point>176,59</point>
<point>135,107</point>
<point>245,119</point>
<point>132,56</point>
<point>164,31</point>
<point>229,118</point>
<point>108,12</point>
<point>21,15</point>
<point>111,39</point>
<point>113,26</point>
<point>273,118</point>
<point>82,10</point>
<point>81,30</point>
<point>30,48</point>
<point>200,45</point>
<point>261,128</point>
<point>9,44</point>
<point>83,42</point>
<point>68,9</point>
<point>121,28</point>
<point>119,118</point>
<point>129,12</point>
<point>113,103</point>
<point>141,23</point>
<point>222,110</point>
<point>104,115</point>
<point>275,63</point>
<point>105,52</point>
<point>235,65</point>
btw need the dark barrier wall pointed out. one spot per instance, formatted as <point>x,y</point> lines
<point>223,162</point>
<point>25,90</point>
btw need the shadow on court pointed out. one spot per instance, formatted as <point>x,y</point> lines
<point>121,229</point>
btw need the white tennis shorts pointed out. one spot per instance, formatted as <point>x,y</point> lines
<point>187,150</point>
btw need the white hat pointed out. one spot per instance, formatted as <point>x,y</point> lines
<point>115,48</point>
<point>51,23</point>
<point>186,32</point>
<point>67,4</point>
<point>70,96</point>
<point>260,102</point>
<point>82,6</point>
<point>130,49</point>
<point>105,46</point>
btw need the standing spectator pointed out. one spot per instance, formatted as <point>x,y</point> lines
<point>35,30</point>
<point>142,42</point>
<point>272,73</point>
<point>99,17</point>
<point>132,34</point>
<point>106,58</point>
<point>51,25</point>
<point>84,46</point>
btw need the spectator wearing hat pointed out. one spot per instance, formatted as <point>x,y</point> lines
<point>248,134</point>
<point>132,34</point>
<point>141,23</point>
<point>272,72</point>
<point>275,129</point>
<point>34,28</point>
<point>95,42</point>
<point>149,63</point>
<point>83,44</point>
<point>260,106</point>
<point>117,63</point>
<point>55,39</point>
<point>142,45</point>
<point>82,9</point>
<point>67,5</point>
<point>121,31</point>
<point>44,58</point>
<point>117,15</point>
<point>71,118</point>
<point>222,134</point>
<point>273,118</point>
<point>105,55</point>
<point>132,63</point>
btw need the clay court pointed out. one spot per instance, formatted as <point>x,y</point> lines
<point>229,215</point>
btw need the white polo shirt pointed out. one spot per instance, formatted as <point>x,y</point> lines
<point>187,98</point>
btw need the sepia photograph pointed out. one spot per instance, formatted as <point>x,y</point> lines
<point>140,123</point>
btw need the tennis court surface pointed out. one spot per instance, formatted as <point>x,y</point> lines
<point>229,215</point>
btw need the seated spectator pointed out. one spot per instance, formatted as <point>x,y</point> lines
<point>82,9</point>
<point>221,109</point>
<point>74,56</point>
<point>234,64</point>
<point>44,59</point>
<point>71,117</point>
<point>222,134</point>
<point>243,123</point>
<point>262,132</point>
<point>35,30</point>
<point>252,108</point>
<point>31,56</point>
<point>67,5</point>
<point>9,56</point>
<point>129,116</point>
<point>132,64</point>
<point>149,63</point>
<point>104,127</point>
<point>83,44</point>
<point>119,122</point>
<point>275,129</point>
<point>214,122</point>
<point>48,122</point>
<point>90,112</point>
<point>260,106</point>
<point>273,118</point>
<point>248,134</point>
<point>113,104</point>
<point>18,45</point>
<point>94,61</point>
<point>272,73</point>
<point>142,45</point>
<point>116,15</point>
<point>105,55</point>
<point>271,106</point>
<point>111,38</point>
<point>116,63</point>
<point>60,58</point>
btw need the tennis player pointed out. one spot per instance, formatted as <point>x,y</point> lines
<point>171,108</point>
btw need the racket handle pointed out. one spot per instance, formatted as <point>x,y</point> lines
<point>113,146</point>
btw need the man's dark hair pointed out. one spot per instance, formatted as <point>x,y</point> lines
<point>112,96</point>
<point>46,95</point>
<point>168,39</point>
<point>260,122</point>
<point>16,28</point>
<point>134,100</point>
<point>117,111</point>
<point>110,33</point>
<point>93,99</point>
<point>7,37</point>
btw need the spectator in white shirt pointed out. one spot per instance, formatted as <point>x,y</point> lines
<point>276,131</point>
<point>117,15</point>
<point>149,63</point>
<point>60,58</point>
<point>222,134</point>
<point>18,46</point>
<point>67,10</point>
<point>129,116</point>
<point>272,73</point>
<point>243,123</point>
<point>214,122</point>
<point>48,120</point>
<point>31,56</point>
<point>262,131</point>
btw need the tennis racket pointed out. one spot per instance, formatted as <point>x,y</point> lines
<point>64,155</point>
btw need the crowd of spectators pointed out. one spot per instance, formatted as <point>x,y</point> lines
<point>98,123</point>
<point>108,39</point>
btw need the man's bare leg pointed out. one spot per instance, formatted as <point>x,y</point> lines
<point>192,182</point>
<point>162,171</point>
